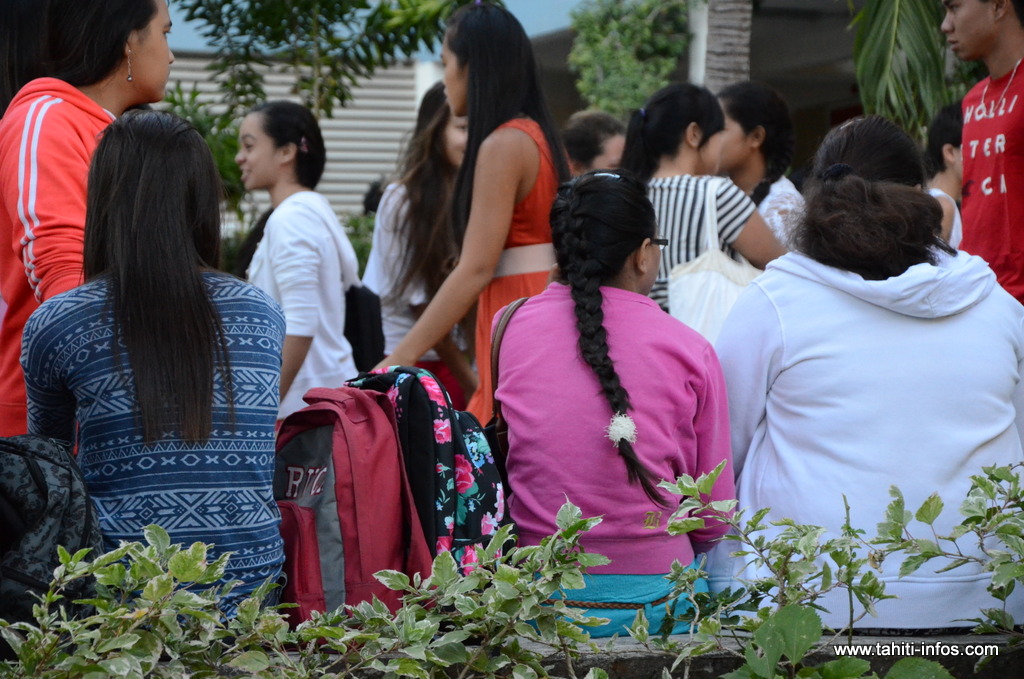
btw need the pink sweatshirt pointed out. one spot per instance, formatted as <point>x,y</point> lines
<point>557,417</point>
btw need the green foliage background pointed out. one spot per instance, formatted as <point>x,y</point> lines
<point>328,45</point>
<point>626,49</point>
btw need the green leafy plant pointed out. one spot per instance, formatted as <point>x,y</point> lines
<point>360,232</point>
<point>993,522</point>
<point>156,615</point>
<point>158,611</point>
<point>773,618</point>
<point>221,134</point>
<point>626,49</point>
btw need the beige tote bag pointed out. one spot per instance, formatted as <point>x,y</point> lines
<point>702,291</point>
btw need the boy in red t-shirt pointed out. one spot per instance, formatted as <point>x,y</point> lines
<point>993,137</point>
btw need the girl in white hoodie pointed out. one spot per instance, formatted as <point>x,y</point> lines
<point>874,355</point>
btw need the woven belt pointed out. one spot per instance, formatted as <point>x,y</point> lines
<point>526,259</point>
<point>609,604</point>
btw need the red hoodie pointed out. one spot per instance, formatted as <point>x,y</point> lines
<point>47,137</point>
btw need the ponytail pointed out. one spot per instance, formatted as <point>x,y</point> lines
<point>635,157</point>
<point>657,129</point>
<point>874,229</point>
<point>865,210</point>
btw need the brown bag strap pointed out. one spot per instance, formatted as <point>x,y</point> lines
<point>499,333</point>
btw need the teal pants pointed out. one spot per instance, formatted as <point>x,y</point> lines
<point>633,589</point>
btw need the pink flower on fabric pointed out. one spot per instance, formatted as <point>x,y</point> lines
<point>469,559</point>
<point>434,391</point>
<point>439,468</point>
<point>442,431</point>
<point>393,396</point>
<point>444,544</point>
<point>488,524</point>
<point>463,475</point>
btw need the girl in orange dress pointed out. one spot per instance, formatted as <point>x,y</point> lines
<point>513,164</point>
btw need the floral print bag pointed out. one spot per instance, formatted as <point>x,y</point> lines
<point>455,481</point>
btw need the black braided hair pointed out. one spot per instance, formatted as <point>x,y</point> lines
<point>597,222</point>
<point>752,104</point>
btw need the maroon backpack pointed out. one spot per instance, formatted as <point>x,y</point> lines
<point>346,507</point>
<point>455,476</point>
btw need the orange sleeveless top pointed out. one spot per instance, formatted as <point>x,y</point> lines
<point>530,226</point>
<point>530,217</point>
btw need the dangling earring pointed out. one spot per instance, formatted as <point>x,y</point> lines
<point>129,64</point>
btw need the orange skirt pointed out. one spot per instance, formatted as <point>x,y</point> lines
<point>499,293</point>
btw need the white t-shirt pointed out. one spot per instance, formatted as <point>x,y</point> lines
<point>384,270</point>
<point>306,262</point>
<point>956,234</point>
<point>781,208</point>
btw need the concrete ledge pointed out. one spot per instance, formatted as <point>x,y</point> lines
<point>626,659</point>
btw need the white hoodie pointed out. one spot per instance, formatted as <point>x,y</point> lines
<point>844,386</point>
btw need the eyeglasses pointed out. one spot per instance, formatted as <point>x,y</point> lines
<point>661,242</point>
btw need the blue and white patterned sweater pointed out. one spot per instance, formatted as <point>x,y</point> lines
<point>219,491</point>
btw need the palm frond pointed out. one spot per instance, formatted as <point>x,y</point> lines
<point>900,59</point>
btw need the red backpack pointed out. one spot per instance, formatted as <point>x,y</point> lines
<point>455,475</point>
<point>346,507</point>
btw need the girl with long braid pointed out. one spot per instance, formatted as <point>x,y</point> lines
<point>640,399</point>
<point>757,148</point>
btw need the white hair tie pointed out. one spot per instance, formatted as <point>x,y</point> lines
<point>621,428</point>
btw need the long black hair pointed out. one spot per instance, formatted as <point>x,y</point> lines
<point>502,85</point>
<point>865,210</point>
<point>659,127</point>
<point>597,222</point>
<point>22,45</point>
<point>428,176</point>
<point>152,225</point>
<point>754,105</point>
<point>86,38</point>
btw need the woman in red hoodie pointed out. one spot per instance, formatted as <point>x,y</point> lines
<point>104,56</point>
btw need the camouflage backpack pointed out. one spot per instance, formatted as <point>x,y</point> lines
<point>43,504</point>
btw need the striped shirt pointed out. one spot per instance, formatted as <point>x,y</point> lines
<point>679,204</point>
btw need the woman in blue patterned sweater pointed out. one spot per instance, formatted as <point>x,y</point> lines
<point>165,369</point>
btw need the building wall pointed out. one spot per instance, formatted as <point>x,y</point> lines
<point>364,139</point>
